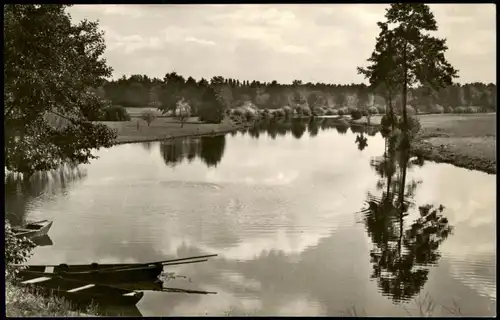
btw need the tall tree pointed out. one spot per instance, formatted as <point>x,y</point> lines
<point>212,107</point>
<point>172,91</point>
<point>49,63</point>
<point>420,56</point>
<point>382,72</point>
<point>416,57</point>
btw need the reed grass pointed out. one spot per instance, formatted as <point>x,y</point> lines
<point>28,302</point>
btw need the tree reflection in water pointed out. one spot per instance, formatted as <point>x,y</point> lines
<point>401,253</point>
<point>19,192</point>
<point>298,127</point>
<point>361,139</point>
<point>209,149</point>
<point>313,127</point>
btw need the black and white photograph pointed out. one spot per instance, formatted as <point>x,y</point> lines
<point>304,159</point>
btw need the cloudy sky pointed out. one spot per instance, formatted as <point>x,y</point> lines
<point>316,42</point>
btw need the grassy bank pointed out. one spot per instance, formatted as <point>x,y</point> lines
<point>167,128</point>
<point>25,302</point>
<point>465,140</point>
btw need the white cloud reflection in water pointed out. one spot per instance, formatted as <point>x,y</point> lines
<point>288,234</point>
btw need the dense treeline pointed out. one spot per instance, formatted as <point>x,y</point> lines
<point>220,93</point>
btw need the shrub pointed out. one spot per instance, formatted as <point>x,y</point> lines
<point>264,114</point>
<point>387,121</point>
<point>373,110</point>
<point>473,110</point>
<point>297,110</point>
<point>148,116</point>
<point>303,111</point>
<point>249,115</point>
<point>410,110</point>
<point>381,109</point>
<point>437,109</point>
<point>414,125</point>
<point>116,113</point>
<point>330,112</point>
<point>340,112</point>
<point>319,111</point>
<point>182,111</point>
<point>306,111</point>
<point>237,112</point>
<point>448,110</point>
<point>287,111</point>
<point>279,113</point>
<point>17,250</point>
<point>365,113</point>
<point>355,114</point>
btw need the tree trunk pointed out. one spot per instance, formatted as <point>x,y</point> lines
<point>391,110</point>
<point>405,89</point>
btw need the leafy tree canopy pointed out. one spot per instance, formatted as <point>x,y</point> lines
<point>49,66</point>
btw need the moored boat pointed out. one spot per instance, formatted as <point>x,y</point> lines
<point>85,292</point>
<point>129,274</point>
<point>33,230</point>
<point>108,273</point>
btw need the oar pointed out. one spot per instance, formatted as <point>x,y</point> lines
<point>138,267</point>
<point>185,291</point>
<point>181,259</point>
<point>125,264</point>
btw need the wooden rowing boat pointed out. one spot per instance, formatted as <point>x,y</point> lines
<point>33,230</point>
<point>85,292</point>
<point>109,273</point>
<point>103,275</point>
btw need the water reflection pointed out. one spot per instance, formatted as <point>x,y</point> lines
<point>21,193</point>
<point>209,149</point>
<point>147,145</point>
<point>283,224</point>
<point>43,241</point>
<point>401,251</point>
<point>298,126</point>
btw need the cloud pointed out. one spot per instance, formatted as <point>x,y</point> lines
<point>200,41</point>
<point>324,42</point>
<point>250,15</point>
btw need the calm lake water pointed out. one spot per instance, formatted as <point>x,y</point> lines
<point>299,217</point>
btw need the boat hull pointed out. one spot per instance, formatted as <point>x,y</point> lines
<point>83,292</point>
<point>107,275</point>
<point>33,230</point>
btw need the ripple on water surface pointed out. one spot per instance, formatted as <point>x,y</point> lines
<point>285,217</point>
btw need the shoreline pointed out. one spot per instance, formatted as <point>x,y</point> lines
<point>469,150</point>
<point>444,152</point>
<point>424,149</point>
<point>180,136</point>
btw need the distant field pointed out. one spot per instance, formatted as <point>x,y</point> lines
<point>165,128</point>
<point>458,125</point>
<point>465,140</point>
